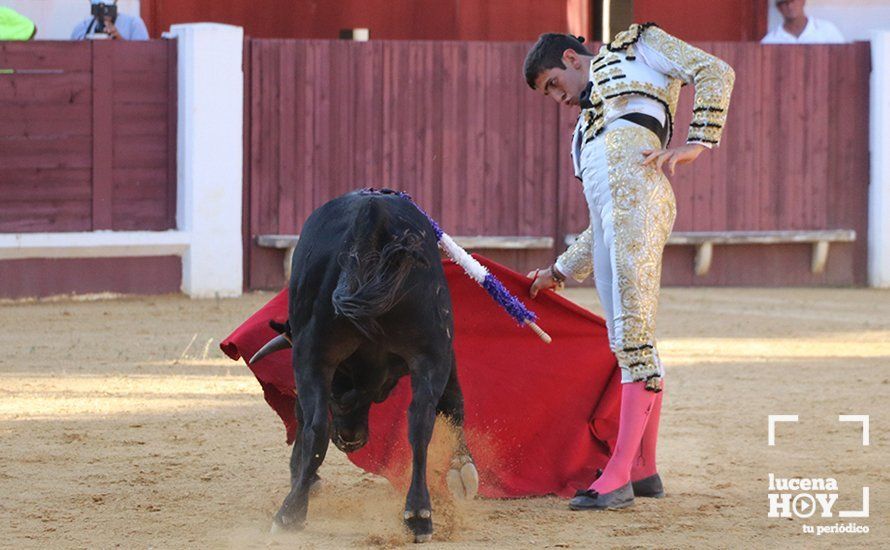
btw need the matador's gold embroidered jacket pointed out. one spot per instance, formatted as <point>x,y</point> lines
<point>645,61</point>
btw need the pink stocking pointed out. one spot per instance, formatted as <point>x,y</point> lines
<point>644,462</point>
<point>636,404</point>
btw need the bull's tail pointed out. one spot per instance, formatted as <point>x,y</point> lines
<point>374,271</point>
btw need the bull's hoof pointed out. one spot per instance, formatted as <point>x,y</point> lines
<point>281,525</point>
<point>463,480</point>
<point>420,523</point>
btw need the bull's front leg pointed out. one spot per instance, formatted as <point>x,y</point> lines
<point>310,447</point>
<point>295,452</point>
<point>427,383</point>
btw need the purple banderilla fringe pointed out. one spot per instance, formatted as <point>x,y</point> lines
<point>435,225</point>
<point>510,303</point>
<point>491,284</point>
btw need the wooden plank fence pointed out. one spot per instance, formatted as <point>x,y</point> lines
<point>88,139</point>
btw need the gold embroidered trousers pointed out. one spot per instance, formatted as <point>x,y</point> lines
<point>632,211</point>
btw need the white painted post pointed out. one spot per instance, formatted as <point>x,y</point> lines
<point>879,188</point>
<point>209,155</point>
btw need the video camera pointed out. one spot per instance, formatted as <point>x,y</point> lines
<point>100,10</point>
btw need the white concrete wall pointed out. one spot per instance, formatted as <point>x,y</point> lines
<point>856,19</point>
<point>209,156</point>
<point>93,244</point>
<point>56,19</point>
<point>879,189</point>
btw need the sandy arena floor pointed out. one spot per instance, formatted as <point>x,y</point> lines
<point>121,424</point>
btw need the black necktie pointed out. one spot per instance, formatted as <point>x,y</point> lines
<point>584,100</point>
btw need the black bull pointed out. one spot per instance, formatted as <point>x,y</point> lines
<point>369,304</point>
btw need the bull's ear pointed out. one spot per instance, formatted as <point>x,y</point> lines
<point>280,328</point>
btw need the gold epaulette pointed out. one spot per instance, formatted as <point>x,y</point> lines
<point>625,39</point>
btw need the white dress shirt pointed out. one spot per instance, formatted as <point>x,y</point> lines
<point>817,31</point>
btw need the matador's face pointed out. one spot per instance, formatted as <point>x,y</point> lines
<point>564,85</point>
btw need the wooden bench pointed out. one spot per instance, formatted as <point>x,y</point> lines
<point>704,242</point>
<point>477,242</point>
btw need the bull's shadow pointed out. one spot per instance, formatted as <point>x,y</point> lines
<point>369,304</point>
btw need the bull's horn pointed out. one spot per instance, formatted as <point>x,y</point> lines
<point>278,343</point>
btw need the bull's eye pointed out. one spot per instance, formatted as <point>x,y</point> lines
<point>339,407</point>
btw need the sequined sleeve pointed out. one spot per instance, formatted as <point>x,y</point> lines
<point>577,261</point>
<point>713,79</point>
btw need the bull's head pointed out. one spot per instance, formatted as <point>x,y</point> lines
<point>349,415</point>
<point>349,407</point>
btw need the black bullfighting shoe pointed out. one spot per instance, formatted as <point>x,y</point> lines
<point>589,499</point>
<point>650,487</point>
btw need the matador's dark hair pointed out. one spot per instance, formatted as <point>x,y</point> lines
<point>547,54</point>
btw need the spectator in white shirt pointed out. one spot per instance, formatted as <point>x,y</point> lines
<point>797,28</point>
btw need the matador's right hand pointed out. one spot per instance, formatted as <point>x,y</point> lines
<point>673,156</point>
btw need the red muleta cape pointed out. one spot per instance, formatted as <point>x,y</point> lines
<point>540,419</point>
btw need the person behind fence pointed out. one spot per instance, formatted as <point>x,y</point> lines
<point>798,28</point>
<point>628,95</point>
<point>107,23</point>
<point>15,26</point>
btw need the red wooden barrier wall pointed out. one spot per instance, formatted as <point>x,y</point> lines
<point>454,124</point>
<point>729,20</point>
<point>502,20</point>
<point>87,142</point>
<point>385,19</point>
